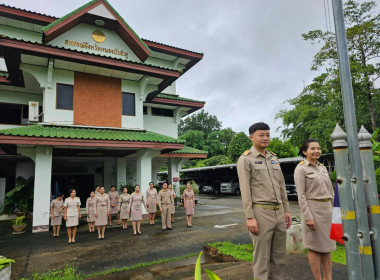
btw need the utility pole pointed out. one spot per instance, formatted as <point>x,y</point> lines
<point>360,203</point>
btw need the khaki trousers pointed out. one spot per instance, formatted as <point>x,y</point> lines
<point>166,215</point>
<point>269,244</point>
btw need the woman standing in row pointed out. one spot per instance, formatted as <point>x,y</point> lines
<point>114,201</point>
<point>123,207</point>
<point>189,203</point>
<point>90,210</point>
<point>170,187</point>
<point>102,210</point>
<point>56,207</point>
<point>315,197</point>
<point>136,210</point>
<point>151,202</point>
<point>72,215</point>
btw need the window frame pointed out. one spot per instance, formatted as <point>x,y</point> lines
<point>56,97</point>
<point>134,104</point>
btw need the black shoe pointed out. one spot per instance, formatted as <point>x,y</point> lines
<point>164,229</point>
<point>139,233</point>
<point>135,234</point>
<point>173,222</point>
<point>170,229</point>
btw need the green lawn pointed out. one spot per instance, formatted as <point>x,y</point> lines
<point>71,273</point>
<point>243,252</point>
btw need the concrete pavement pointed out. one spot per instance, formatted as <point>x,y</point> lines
<point>40,252</point>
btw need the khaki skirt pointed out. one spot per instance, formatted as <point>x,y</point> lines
<point>189,209</point>
<point>101,220</point>
<point>91,215</point>
<point>124,211</point>
<point>136,213</point>
<point>56,221</point>
<point>72,221</point>
<point>319,239</point>
<point>152,206</point>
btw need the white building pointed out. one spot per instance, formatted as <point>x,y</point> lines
<point>85,101</point>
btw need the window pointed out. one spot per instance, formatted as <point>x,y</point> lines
<point>128,106</point>
<point>65,96</point>
<point>162,112</point>
<point>17,114</point>
<point>145,110</point>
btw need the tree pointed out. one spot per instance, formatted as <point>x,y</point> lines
<point>283,149</point>
<point>213,145</point>
<point>319,106</point>
<point>194,139</point>
<point>238,145</point>
<point>202,121</point>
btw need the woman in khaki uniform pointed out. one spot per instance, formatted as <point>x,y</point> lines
<point>97,190</point>
<point>136,210</point>
<point>123,207</point>
<point>114,202</point>
<point>102,210</point>
<point>56,207</point>
<point>170,187</point>
<point>189,203</point>
<point>151,202</point>
<point>72,214</point>
<point>90,210</point>
<point>315,197</point>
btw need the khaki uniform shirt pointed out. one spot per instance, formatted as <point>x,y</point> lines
<point>102,201</point>
<point>151,194</point>
<point>312,182</point>
<point>72,206</point>
<point>261,181</point>
<point>165,197</point>
<point>56,205</point>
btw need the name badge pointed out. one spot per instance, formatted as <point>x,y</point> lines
<point>309,173</point>
<point>258,162</point>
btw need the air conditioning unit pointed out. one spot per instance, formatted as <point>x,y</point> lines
<point>34,113</point>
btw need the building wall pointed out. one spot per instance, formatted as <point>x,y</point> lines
<point>163,125</point>
<point>136,121</point>
<point>82,33</point>
<point>97,100</point>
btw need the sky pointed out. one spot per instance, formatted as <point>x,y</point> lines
<point>254,55</point>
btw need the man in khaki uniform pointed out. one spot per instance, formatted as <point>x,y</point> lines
<point>166,203</point>
<point>265,202</point>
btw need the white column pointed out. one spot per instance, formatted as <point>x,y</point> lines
<point>174,165</point>
<point>42,188</point>
<point>144,169</point>
<point>156,166</point>
<point>121,169</point>
<point>107,174</point>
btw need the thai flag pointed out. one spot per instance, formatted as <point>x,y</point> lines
<point>336,232</point>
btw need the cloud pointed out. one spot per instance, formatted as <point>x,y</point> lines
<point>254,55</point>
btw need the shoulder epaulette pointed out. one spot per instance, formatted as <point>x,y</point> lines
<point>273,154</point>
<point>302,162</point>
<point>321,164</point>
<point>246,152</point>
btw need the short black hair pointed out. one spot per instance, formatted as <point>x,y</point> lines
<point>305,146</point>
<point>72,190</point>
<point>258,126</point>
<point>59,195</point>
<point>113,187</point>
<point>151,183</point>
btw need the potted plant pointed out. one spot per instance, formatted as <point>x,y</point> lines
<point>19,200</point>
<point>18,225</point>
<point>5,268</point>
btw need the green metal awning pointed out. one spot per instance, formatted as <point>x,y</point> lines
<point>72,132</point>
<point>188,150</point>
